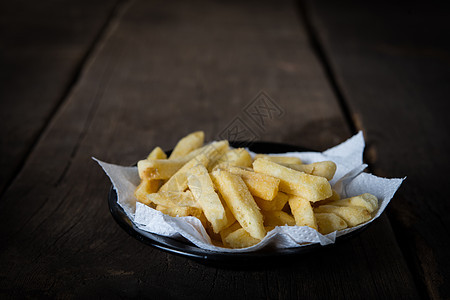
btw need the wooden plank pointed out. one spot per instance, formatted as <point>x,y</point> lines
<point>392,63</point>
<point>166,69</point>
<point>42,46</point>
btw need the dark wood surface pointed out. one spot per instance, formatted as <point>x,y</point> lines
<point>160,70</point>
<point>42,47</point>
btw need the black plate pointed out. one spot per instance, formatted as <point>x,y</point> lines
<point>190,250</point>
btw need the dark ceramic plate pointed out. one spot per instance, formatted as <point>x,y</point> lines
<point>190,250</point>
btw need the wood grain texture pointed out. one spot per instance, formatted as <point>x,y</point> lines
<point>392,62</point>
<point>41,48</point>
<point>165,69</point>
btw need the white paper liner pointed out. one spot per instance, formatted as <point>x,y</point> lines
<point>349,180</point>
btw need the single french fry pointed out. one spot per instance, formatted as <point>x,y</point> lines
<point>353,215</point>
<point>225,232</point>
<point>157,153</point>
<point>172,199</point>
<point>187,144</point>
<point>323,168</point>
<point>144,188</point>
<point>235,157</point>
<point>240,239</point>
<point>159,168</point>
<point>367,201</point>
<point>259,185</point>
<point>178,182</point>
<point>334,196</point>
<point>276,203</point>
<point>240,201</point>
<point>313,188</point>
<point>202,189</point>
<point>280,159</point>
<point>329,222</point>
<point>180,211</point>
<point>302,211</point>
<point>277,218</point>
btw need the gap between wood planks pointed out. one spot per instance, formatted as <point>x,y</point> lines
<point>118,8</point>
<point>319,51</point>
<point>354,124</point>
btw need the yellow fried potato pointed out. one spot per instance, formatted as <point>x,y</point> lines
<point>367,201</point>
<point>329,222</point>
<point>259,185</point>
<point>225,232</point>
<point>146,187</point>
<point>180,211</point>
<point>302,211</point>
<point>335,196</point>
<point>172,199</point>
<point>277,218</point>
<point>159,168</point>
<point>353,215</point>
<point>238,198</point>
<point>188,144</point>
<point>276,203</point>
<point>313,188</point>
<point>324,169</point>
<point>240,239</point>
<point>157,153</point>
<point>280,159</point>
<point>235,157</point>
<point>202,189</point>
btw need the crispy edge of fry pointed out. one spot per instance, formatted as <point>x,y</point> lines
<point>187,144</point>
<point>202,188</point>
<point>234,157</point>
<point>353,215</point>
<point>277,218</point>
<point>180,211</point>
<point>325,169</point>
<point>329,222</point>
<point>280,159</point>
<point>159,168</point>
<point>260,185</point>
<point>144,188</point>
<point>240,238</point>
<point>313,188</point>
<point>238,198</point>
<point>157,153</point>
<point>173,199</point>
<point>366,200</point>
<point>302,211</point>
<point>276,203</point>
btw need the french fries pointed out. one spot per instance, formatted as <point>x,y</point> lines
<point>239,199</point>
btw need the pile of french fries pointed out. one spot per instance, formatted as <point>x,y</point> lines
<point>238,198</point>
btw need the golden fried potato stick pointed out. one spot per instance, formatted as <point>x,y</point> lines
<point>178,182</point>
<point>277,218</point>
<point>172,199</point>
<point>157,153</point>
<point>313,188</point>
<point>353,215</point>
<point>302,211</point>
<point>329,222</point>
<point>188,144</point>
<point>235,157</point>
<point>280,159</point>
<point>240,239</point>
<point>146,187</point>
<point>180,211</point>
<point>202,189</point>
<point>276,203</point>
<point>325,169</point>
<point>159,168</point>
<point>259,185</point>
<point>238,198</point>
<point>367,201</point>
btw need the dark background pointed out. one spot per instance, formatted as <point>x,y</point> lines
<point>113,79</point>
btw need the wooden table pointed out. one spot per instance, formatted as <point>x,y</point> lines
<point>112,79</point>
